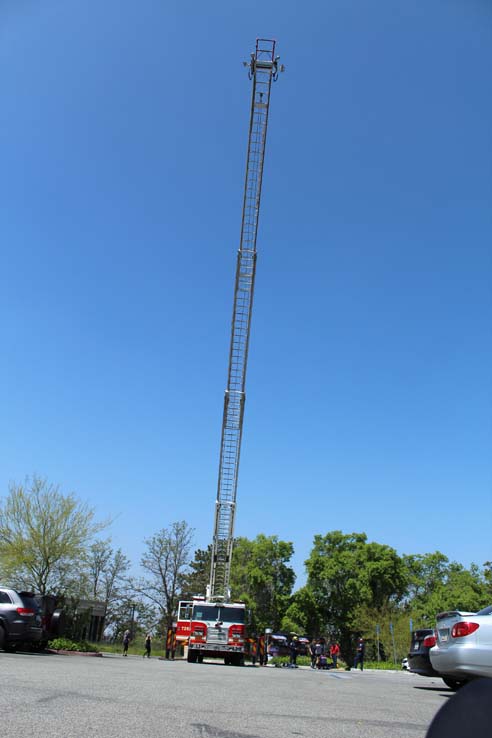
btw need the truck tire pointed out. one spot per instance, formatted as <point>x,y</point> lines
<point>3,637</point>
<point>192,657</point>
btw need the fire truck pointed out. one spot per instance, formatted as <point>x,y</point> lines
<point>213,629</point>
<point>213,625</point>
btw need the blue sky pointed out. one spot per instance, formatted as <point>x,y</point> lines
<point>123,131</point>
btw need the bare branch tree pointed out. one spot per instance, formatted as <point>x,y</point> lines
<point>166,561</point>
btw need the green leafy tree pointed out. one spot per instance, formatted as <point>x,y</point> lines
<point>303,614</point>
<point>426,573</point>
<point>346,573</point>
<point>462,589</point>
<point>261,577</point>
<point>436,585</point>
<point>197,577</point>
<point>487,574</point>
<point>44,536</point>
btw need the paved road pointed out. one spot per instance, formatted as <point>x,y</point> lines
<point>114,697</point>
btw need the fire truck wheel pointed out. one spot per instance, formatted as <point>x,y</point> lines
<point>200,658</point>
<point>192,656</point>
<point>227,660</point>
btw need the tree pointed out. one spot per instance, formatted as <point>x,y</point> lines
<point>303,614</point>
<point>196,579</point>
<point>436,585</point>
<point>44,536</point>
<point>166,562</point>
<point>346,573</point>
<point>133,614</point>
<point>487,574</point>
<point>260,576</point>
<point>107,577</point>
<point>426,573</point>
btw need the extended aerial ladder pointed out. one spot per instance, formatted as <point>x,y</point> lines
<point>263,69</point>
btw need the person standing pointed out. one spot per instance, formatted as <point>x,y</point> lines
<point>254,650</point>
<point>335,653</point>
<point>148,646</point>
<point>262,653</point>
<point>126,642</point>
<point>359,654</point>
<point>319,651</point>
<point>293,652</point>
<point>312,652</point>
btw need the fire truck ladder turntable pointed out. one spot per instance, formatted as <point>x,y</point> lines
<point>262,70</point>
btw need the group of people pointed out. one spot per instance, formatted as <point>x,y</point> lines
<point>147,644</point>
<point>320,652</point>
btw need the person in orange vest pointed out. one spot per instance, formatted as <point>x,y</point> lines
<point>254,650</point>
<point>262,654</point>
<point>170,643</point>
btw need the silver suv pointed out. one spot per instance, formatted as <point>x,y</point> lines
<point>20,619</point>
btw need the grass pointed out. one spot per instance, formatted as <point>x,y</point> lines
<point>383,665</point>
<point>136,648</point>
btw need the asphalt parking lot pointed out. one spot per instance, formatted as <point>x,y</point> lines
<point>114,697</point>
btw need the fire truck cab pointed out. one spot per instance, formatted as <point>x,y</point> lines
<point>212,629</point>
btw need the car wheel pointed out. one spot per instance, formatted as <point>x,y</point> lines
<point>3,637</point>
<point>454,684</point>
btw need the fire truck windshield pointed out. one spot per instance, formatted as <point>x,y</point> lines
<point>218,613</point>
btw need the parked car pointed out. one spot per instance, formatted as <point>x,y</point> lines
<point>418,655</point>
<point>20,619</point>
<point>464,646</point>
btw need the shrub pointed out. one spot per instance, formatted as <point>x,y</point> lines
<point>65,644</point>
<point>285,661</point>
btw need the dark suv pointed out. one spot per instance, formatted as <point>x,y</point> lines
<point>20,619</point>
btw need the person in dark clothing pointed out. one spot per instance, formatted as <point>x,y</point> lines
<point>320,652</point>
<point>359,654</point>
<point>148,646</point>
<point>467,713</point>
<point>293,651</point>
<point>312,653</point>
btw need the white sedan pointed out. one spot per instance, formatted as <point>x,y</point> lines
<point>463,649</point>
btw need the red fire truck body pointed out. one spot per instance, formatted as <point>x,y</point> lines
<point>212,629</point>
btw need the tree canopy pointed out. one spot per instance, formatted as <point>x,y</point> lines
<point>345,572</point>
<point>261,576</point>
<point>44,535</point>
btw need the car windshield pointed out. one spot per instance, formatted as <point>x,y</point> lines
<point>205,612</point>
<point>485,611</point>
